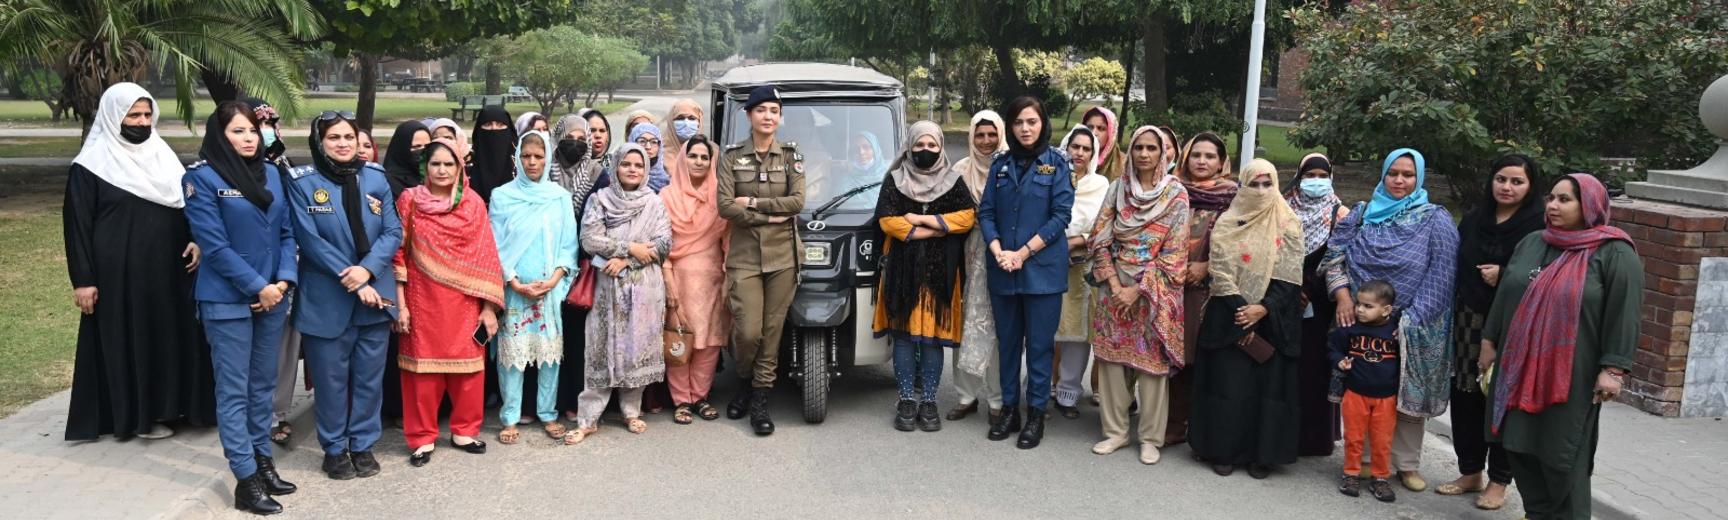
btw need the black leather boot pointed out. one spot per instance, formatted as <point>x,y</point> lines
<point>927,418</point>
<point>760,422</point>
<point>273,483</point>
<point>249,496</point>
<point>1007,425</point>
<point>1034,432</point>
<point>739,406</point>
<point>905,415</point>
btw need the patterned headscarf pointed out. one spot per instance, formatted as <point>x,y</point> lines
<point>1316,213</point>
<point>1257,240</point>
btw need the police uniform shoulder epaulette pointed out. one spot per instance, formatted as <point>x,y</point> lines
<point>302,171</point>
<point>734,146</point>
<point>196,164</point>
<point>789,144</point>
<point>997,155</point>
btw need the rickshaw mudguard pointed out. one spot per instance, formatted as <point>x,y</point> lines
<point>820,308</point>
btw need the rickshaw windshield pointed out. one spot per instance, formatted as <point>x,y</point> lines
<point>847,148</point>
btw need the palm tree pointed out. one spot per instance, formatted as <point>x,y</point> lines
<point>95,43</point>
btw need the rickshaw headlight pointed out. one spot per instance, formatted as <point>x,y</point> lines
<point>818,253</point>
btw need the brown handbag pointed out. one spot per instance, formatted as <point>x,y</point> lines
<point>677,339</point>
<point>582,291</point>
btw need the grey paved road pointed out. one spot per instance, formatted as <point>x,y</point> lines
<point>854,465</point>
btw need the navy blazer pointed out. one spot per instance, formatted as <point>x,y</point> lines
<point>322,307</point>
<point>245,248</point>
<point>1019,203</point>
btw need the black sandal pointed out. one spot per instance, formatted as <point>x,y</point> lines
<point>280,433</point>
<point>681,415</point>
<point>706,411</point>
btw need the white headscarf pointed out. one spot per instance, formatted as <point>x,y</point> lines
<point>976,166</point>
<point>149,170</point>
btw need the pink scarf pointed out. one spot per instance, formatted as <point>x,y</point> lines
<point>1536,361</point>
<point>694,214</point>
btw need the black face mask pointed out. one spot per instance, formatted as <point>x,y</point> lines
<point>570,151</point>
<point>924,159</point>
<point>135,134</point>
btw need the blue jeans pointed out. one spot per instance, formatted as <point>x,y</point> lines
<point>243,356</point>
<point>918,368</point>
<point>1026,324</point>
<point>348,373</point>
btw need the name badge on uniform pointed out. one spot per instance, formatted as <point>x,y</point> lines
<point>321,209</point>
<point>761,175</point>
<point>376,205</point>
<point>1002,172</point>
<point>229,193</point>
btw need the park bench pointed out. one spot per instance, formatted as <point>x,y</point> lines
<point>473,104</point>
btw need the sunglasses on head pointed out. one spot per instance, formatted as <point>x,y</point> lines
<point>332,114</point>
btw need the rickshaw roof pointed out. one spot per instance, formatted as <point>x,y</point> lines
<point>806,77</point>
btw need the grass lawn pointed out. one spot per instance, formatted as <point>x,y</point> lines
<point>37,319</point>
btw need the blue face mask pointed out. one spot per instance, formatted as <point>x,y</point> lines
<point>268,135</point>
<point>685,128</point>
<point>1316,188</point>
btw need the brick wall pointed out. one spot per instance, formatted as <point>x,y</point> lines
<point>1288,104</point>
<point>1672,240</point>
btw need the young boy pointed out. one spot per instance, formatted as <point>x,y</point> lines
<point>1367,354</point>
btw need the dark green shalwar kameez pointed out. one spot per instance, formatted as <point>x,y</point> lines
<point>1552,452</point>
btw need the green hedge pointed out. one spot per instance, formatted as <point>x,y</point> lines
<point>455,91</point>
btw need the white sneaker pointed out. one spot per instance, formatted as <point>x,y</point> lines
<point>1108,446</point>
<point>1149,454</point>
<point>157,431</point>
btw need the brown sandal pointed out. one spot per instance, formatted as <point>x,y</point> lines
<point>635,425</point>
<point>509,435</point>
<point>576,436</point>
<point>554,430</point>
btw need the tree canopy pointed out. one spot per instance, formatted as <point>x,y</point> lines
<point>93,44</point>
<point>425,30</point>
<point>1567,81</point>
<point>558,64</point>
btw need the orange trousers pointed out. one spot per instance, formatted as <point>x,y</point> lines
<point>1372,418</point>
<point>423,393</point>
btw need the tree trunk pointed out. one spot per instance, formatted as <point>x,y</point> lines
<point>1007,79</point>
<point>1128,85</point>
<point>494,78</point>
<point>1157,97</point>
<point>221,87</point>
<point>368,101</point>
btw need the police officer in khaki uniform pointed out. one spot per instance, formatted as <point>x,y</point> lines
<point>761,191</point>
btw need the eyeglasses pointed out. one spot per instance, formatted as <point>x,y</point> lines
<point>332,114</point>
<point>648,141</point>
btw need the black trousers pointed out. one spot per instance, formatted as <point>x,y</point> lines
<point>1469,438</point>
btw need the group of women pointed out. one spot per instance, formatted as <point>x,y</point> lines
<point>1199,297</point>
<point>1203,299</point>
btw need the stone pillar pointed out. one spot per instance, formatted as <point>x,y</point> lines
<point>1679,221</point>
<point>1681,349</point>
